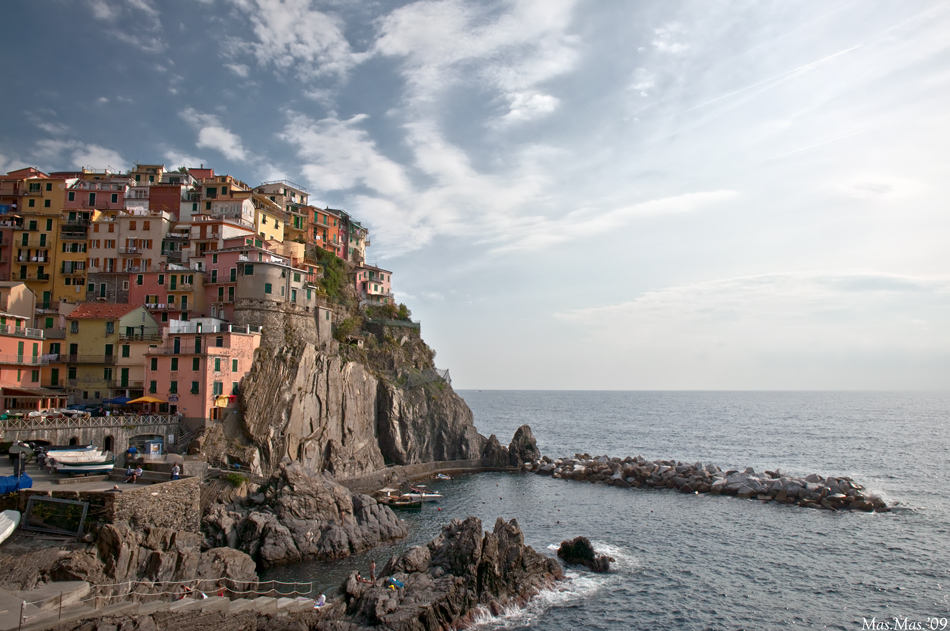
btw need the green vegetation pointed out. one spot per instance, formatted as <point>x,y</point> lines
<point>346,327</point>
<point>335,278</point>
<point>235,479</point>
<point>389,312</point>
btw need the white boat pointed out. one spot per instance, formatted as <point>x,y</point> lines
<point>419,492</point>
<point>9,520</point>
<point>78,457</point>
<point>85,468</point>
<point>60,449</point>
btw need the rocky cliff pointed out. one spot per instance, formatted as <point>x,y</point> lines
<point>345,409</point>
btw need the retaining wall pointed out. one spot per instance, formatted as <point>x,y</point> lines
<point>398,474</point>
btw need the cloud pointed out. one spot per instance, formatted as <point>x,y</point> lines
<point>878,187</point>
<point>53,153</point>
<point>240,70</point>
<point>135,22</point>
<point>540,232</point>
<point>292,35</point>
<point>176,159</point>
<point>665,39</point>
<point>340,155</point>
<point>512,48</point>
<point>213,135</point>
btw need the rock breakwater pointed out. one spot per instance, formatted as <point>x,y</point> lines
<point>811,491</point>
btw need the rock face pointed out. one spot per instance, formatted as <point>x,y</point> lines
<point>300,514</point>
<point>579,551</point>
<point>523,447</point>
<point>153,554</point>
<point>812,491</point>
<point>447,581</point>
<point>313,407</point>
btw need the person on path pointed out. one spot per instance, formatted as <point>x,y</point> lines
<point>176,472</point>
<point>135,475</point>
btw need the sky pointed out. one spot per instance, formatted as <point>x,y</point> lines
<point>571,194</point>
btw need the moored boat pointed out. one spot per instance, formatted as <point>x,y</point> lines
<point>421,493</point>
<point>393,499</point>
<point>79,457</point>
<point>9,520</point>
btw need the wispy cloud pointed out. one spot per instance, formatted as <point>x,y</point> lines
<point>292,35</point>
<point>212,134</point>
<point>52,153</point>
<point>135,22</point>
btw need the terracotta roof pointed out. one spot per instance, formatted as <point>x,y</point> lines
<point>102,311</point>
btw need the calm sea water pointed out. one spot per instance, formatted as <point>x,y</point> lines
<point>703,562</point>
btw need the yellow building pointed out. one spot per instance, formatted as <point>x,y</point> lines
<point>36,237</point>
<point>105,350</point>
<point>269,219</point>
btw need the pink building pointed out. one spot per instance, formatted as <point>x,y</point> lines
<point>22,357</point>
<point>199,366</point>
<point>373,285</point>
<point>172,293</point>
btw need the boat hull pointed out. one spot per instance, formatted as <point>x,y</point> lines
<point>85,468</point>
<point>9,520</point>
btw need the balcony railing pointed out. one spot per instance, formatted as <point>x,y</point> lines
<point>73,236</point>
<point>33,277</point>
<point>129,251</point>
<point>24,360</point>
<point>140,338</point>
<point>32,259</point>
<point>129,383</point>
<point>75,222</point>
<point>73,358</point>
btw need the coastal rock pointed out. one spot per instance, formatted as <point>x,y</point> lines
<point>306,515</point>
<point>495,453</point>
<point>523,447</point>
<point>579,551</point>
<point>464,571</point>
<point>154,555</point>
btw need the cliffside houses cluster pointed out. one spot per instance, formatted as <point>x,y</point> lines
<point>118,286</point>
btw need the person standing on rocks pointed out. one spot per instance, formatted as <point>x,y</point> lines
<point>372,572</point>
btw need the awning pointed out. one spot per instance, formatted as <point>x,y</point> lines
<point>117,400</point>
<point>147,400</point>
<point>41,393</point>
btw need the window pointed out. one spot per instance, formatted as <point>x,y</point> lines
<point>217,364</point>
<point>195,363</point>
<point>131,225</point>
<point>218,388</point>
<point>35,376</point>
<point>219,342</point>
<point>49,323</point>
<point>267,288</point>
<point>214,258</point>
<point>161,279</point>
<point>233,274</point>
<point>152,387</point>
<point>49,186</point>
<point>125,350</point>
<point>139,279</point>
<point>248,270</point>
<point>47,203</point>
<point>92,199</point>
<point>74,326</point>
<point>194,387</point>
<point>207,205</point>
<point>72,196</point>
<point>234,365</point>
<point>71,373</point>
<point>115,198</point>
<point>32,203</point>
<point>109,348</point>
<point>154,365</point>
<point>234,387</point>
<point>110,328</point>
<point>174,364</point>
<point>107,374</point>
<point>173,387</point>
<point>293,295</point>
<point>146,225</point>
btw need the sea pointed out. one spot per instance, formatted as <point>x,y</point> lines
<point>700,562</point>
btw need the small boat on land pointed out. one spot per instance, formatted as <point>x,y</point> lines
<point>442,476</point>
<point>99,466</point>
<point>9,520</point>
<point>79,457</point>
<point>61,448</point>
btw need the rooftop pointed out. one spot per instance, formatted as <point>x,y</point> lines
<point>101,311</point>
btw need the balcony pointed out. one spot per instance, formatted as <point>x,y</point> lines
<point>89,359</point>
<point>129,251</point>
<point>73,272</point>
<point>177,236</point>
<point>76,221</point>
<point>24,360</point>
<point>135,337</point>
<point>6,329</point>
<point>34,278</point>
<point>129,383</point>
<point>73,236</point>
<point>32,259</point>
<point>34,243</point>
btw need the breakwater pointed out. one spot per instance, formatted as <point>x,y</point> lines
<point>811,491</point>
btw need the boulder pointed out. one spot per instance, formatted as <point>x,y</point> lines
<point>579,551</point>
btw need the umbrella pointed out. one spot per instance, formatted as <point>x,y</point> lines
<point>118,400</point>
<point>146,400</point>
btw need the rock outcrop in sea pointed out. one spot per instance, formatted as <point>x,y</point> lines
<point>811,491</point>
<point>579,551</point>
<point>298,515</point>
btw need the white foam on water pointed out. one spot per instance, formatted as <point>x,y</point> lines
<point>624,558</point>
<point>577,587</point>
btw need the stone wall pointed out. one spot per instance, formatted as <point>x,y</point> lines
<point>423,470</point>
<point>174,504</point>
<point>96,431</point>
<point>281,323</point>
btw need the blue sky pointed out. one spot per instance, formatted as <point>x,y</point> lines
<point>571,194</point>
